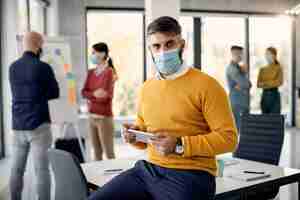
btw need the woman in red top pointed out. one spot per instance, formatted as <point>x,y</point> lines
<point>98,90</point>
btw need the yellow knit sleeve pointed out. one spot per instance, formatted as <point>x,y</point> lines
<point>259,79</point>
<point>217,112</point>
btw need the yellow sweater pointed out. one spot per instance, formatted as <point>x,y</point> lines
<point>194,107</point>
<point>270,76</point>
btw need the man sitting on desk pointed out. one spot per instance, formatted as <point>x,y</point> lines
<point>190,115</point>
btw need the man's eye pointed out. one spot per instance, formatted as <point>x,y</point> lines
<point>156,47</point>
<point>170,44</point>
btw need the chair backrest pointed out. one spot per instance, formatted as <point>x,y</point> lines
<point>70,182</point>
<point>261,138</point>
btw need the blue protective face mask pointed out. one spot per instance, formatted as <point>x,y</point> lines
<point>269,59</point>
<point>94,59</point>
<point>168,62</point>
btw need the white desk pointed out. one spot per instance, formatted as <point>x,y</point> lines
<point>224,186</point>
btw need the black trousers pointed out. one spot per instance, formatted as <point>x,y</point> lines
<point>270,101</point>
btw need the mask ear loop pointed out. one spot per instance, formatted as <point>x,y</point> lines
<point>153,60</point>
<point>151,55</point>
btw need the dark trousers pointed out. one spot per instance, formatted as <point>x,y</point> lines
<point>150,182</point>
<point>238,111</point>
<point>270,102</point>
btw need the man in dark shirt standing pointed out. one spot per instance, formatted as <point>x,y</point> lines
<point>33,84</point>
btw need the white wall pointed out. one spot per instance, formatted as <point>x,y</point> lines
<point>298,70</point>
<point>9,25</point>
<point>298,50</point>
<point>52,18</point>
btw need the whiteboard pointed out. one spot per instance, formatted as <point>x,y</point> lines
<point>57,53</point>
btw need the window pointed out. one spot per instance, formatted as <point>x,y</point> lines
<point>188,35</point>
<point>37,16</point>
<point>218,35</point>
<point>23,23</point>
<point>31,16</point>
<point>123,33</point>
<point>266,32</point>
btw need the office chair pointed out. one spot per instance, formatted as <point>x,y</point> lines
<point>261,140</point>
<point>70,182</point>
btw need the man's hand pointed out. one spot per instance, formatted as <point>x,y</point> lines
<point>244,68</point>
<point>164,143</point>
<point>260,84</point>
<point>100,93</point>
<point>129,137</point>
<point>237,87</point>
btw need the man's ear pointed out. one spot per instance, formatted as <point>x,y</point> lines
<point>183,43</point>
<point>182,49</point>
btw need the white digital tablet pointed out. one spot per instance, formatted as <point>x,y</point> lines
<point>142,136</point>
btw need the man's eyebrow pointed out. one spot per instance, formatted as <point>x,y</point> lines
<point>167,42</point>
<point>155,44</point>
<point>171,40</point>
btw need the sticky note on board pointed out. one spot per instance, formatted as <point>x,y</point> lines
<point>70,76</point>
<point>72,96</point>
<point>71,83</point>
<point>67,68</point>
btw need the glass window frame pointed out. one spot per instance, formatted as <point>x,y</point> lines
<point>240,22</point>
<point>143,73</point>
<point>290,117</point>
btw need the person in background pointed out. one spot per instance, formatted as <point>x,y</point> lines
<point>239,84</point>
<point>33,84</point>
<point>190,116</point>
<point>98,90</point>
<point>270,78</point>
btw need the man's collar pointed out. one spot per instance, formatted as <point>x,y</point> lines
<point>30,53</point>
<point>234,63</point>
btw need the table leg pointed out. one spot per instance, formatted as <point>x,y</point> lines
<point>244,195</point>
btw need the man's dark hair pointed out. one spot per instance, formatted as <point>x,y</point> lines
<point>235,47</point>
<point>164,24</point>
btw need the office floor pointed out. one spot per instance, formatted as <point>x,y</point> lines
<point>289,158</point>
